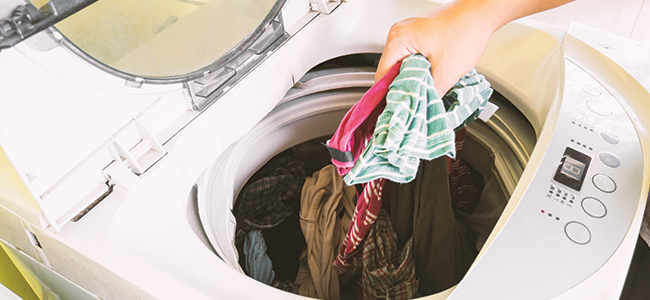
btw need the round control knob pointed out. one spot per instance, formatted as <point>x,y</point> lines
<point>609,159</point>
<point>594,207</point>
<point>604,183</point>
<point>610,137</point>
<point>598,108</point>
<point>577,232</point>
<point>591,90</point>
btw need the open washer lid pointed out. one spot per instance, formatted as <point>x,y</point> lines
<point>104,106</point>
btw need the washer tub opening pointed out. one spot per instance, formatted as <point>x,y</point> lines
<point>497,150</point>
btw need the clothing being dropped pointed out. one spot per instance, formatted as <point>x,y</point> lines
<point>417,124</point>
<point>365,214</point>
<point>356,127</point>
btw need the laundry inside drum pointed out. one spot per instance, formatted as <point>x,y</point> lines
<point>292,209</point>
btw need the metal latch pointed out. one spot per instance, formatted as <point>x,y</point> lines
<point>136,148</point>
<point>324,6</point>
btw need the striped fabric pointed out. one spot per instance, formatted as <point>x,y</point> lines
<point>365,214</point>
<point>418,124</point>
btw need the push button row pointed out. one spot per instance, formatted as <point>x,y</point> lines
<point>576,231</point>
<point>609,159</point>
<point>604,183</point>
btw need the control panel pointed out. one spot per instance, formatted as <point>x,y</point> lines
<point>578,207</point>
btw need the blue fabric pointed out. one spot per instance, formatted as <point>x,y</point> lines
<point>258,264</point>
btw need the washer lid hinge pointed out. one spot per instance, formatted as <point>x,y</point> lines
<point>324,6</point>
<point>136,148</point>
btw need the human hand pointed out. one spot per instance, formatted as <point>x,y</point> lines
<point>453,41</point>
<point>454,36</point>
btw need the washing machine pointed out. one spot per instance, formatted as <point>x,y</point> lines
<point>120,162</point>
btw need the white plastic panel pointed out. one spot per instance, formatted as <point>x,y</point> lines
<point>53,123</point>
<point>550,243</point>
<point>618,17</point>
<point>52,284</point>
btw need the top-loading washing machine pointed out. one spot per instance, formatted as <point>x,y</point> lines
<point>123,151</point>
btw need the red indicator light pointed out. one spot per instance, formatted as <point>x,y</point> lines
<point>543,211</point>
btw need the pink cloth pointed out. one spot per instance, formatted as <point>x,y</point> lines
<point>358,124</point>
<point>365,215</point>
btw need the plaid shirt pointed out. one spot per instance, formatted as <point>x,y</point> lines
<point>365,214</point>
<point>260,204</point>
<point>387,273</point>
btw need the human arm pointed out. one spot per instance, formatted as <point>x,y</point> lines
<point>454,36</point>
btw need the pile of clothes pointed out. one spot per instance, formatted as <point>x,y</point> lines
<point>387,218</point>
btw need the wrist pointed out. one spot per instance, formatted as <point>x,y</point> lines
<point>483,15</point>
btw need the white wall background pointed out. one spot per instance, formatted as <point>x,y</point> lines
<point>629,18</point>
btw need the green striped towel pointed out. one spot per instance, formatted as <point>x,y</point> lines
<point>417,124</point>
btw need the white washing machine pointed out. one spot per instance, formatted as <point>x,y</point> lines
<point>120,166</point>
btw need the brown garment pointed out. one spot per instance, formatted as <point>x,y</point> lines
<point>326,208</point>
<point>422,209</point>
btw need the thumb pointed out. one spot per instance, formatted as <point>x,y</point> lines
<point>389,58</point>
<point>439,83</point>
<point>444,75</point>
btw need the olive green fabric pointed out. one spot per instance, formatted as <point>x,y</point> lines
<point>422,209</point>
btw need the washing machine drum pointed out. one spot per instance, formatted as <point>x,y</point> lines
<point>313,109</point>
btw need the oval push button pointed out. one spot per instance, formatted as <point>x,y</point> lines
<point>577,232</point>
<point>609,159</point>
<point>594,207</point>
<point>604,183</point>
<point>610,137</point>
<point>599,108</point>
<point>591,90</point>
